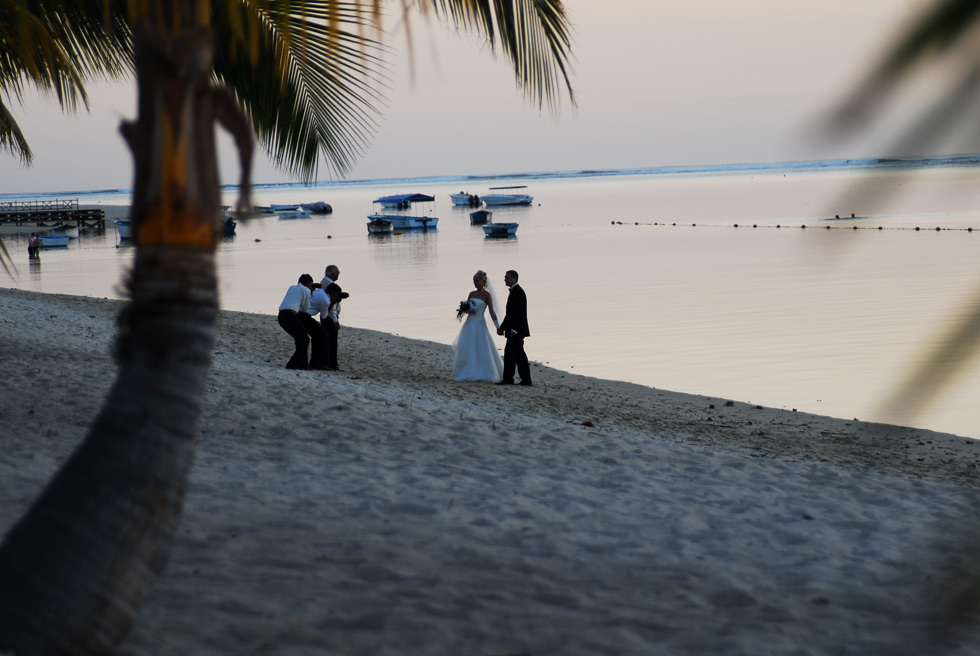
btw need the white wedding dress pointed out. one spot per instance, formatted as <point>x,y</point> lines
<point>477,357</point>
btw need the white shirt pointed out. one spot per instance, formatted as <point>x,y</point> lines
<point>319,303</point>
<point>324,281</point>
<point>297,299</point>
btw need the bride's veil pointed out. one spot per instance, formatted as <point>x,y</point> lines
<point>497,308</point>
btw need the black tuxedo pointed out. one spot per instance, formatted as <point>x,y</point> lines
<point>516,320</point>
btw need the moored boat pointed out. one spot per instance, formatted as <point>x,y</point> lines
<point>401,222</point>
<point>507,196</point>
<point>53,241</point>
<point>465,199</point>
<point>291,211</point>
<point>480,217</point>
<point>500,229</point>
<point>318,207</point>
<point>379,226</point>
<point>124,228</point>
<point>416,221</point>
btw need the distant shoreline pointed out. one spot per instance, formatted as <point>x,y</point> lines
<point>869,163</point>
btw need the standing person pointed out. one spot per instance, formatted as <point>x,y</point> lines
<point>330,275</point>
<point>475,355</point>
<point>294,307</point>
<point>34,247</point>
<point>332,323</point>
<point>319,304</point>
<point>514,328</point>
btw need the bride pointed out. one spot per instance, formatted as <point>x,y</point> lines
<point>476,355</point>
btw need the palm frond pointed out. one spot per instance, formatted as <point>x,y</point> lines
<point>307,76</point>
<point>11,137</point>
<point>534,35</point>
<point>55,45</point>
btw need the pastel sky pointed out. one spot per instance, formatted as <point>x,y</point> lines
<point>658,83</point>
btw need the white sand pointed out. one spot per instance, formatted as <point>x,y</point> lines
<point>388,510</point>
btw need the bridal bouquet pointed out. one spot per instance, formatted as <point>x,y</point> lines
<point>465,308</point>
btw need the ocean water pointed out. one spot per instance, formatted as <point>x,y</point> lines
<point>729,282</point>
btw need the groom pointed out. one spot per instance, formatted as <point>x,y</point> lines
<point>514,327</point>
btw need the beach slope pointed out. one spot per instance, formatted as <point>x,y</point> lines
<point>386,509</point>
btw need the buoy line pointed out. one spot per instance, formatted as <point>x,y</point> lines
<point>802,226</point>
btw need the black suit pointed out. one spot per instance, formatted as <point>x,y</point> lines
<point>516,320</point>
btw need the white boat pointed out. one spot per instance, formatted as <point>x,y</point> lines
<point>291,211</point>
<point>480,217</point>
<point>124,228</point>
<point>53,241</point>
<point>465,200</point>
<point>500,229</point>
<point>67,230</point>
<point>402,222</point>
<point>416,221</point>
<point>507,196</point>
<point>379,226</point>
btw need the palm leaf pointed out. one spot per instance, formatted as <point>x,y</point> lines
<point>307,77</point>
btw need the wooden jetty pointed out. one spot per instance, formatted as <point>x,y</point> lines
<point>47,213</point>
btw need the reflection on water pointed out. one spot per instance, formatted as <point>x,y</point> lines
<point>645,279</point>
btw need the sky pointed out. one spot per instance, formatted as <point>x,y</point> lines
<point>667,83</point>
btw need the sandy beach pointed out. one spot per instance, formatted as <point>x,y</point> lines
<point>386,509</point>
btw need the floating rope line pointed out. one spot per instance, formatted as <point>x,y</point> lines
<point>788,227</point>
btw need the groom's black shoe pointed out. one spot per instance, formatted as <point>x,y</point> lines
<point>526,383</point>
<point>506,382</point>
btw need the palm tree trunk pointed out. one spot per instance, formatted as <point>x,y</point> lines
<point>76,567</point>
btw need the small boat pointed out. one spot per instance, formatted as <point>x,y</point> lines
<point>124,227</point>
<point>465,200</point>
<point>507,196</point>
<point>480,217</point>
<point>291,211</point>
<point>400,222</point>
<point>53,241</point>
<point>66,229</point>
<point>500,229</point>
<point>319,207</point>
<point>406,221</point>
<point>379,226</point>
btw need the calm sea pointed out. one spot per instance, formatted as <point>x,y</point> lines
<point>703,281</point>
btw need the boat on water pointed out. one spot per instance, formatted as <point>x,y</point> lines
<point>228,224</point>
<point>401,222</point>
<point>464,199</point>
<point>318,207</point>
<point>124,228</point>
<point>67,230</point>
<point>379,226</point>
<point>408,221</point>
<point>291,211</point>
<point>507,196</point>
<point>500,229</point>
<point>53,241</point>
<point>480,217</point>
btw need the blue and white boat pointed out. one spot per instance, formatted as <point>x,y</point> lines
<point>464,199</point>
<point>500,229</point>
<point>124,228</point>
<point>507,196</point>
<point>291,211</point>
<point>54,241</point>
<point>480,217</point>
<point>410,220</point>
